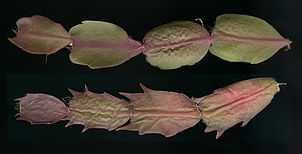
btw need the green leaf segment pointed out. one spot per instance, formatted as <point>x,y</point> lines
<point>98,44</point>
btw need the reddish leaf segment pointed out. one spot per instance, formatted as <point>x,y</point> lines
<point>152,111</point>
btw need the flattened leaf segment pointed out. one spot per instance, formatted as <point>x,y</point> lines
<point>99,44</point>
<point>40,35</point>
<point>161,112</point>
<point>243,38</point>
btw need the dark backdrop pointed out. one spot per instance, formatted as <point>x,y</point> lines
<point>273,131</point>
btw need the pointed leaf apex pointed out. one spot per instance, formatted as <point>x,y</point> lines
<point>84,129</point>
<point>282,84</point>
<point>199,20</point>
<point>124,94</point>
<point>245,122</point>
<point>73,92</point>
<point>86,87</point>
<point>219,133</point>
<point>208,129</point>
<point>69,124</point>
<point>145,89</point>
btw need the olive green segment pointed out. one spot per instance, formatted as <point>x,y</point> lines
<point>245,50</point>
<point>173,32</point>
<point>98,31</point>
<point>102,32</point>
<point>96,58</point>
<point>248,52</point>
<point>175,49</point>
<point>245,26</point>
<point>169,58</point>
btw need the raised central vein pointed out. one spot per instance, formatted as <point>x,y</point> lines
<point>194,114</point>
<point>201,39</point>
<point>46,35</point>
<point>252,39</point>
<point>242,99</point>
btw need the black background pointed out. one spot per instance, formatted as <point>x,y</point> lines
<point>274,131</point>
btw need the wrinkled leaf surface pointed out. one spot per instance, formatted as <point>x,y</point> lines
<point>176,44</point>
<point>166,113</point>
